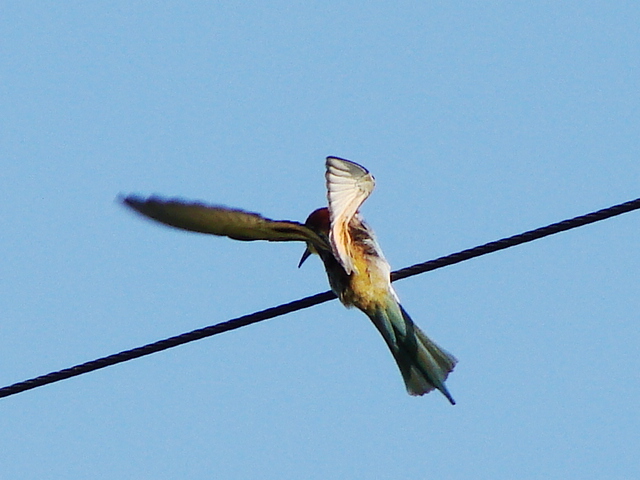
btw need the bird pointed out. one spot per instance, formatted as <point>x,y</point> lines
<point>357,271</point>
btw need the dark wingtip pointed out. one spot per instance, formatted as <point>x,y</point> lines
<point>137,203</point>
<point>129,200</point>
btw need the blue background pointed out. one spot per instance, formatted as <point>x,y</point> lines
<point>478,120</point>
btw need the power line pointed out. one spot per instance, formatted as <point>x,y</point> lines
<point>519,239</point>
<point>283,309</point>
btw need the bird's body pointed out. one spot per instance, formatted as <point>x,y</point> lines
<point>365,279</point>
<point>356,268</point>
<point>371,275</point>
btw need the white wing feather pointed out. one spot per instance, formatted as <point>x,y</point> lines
<point>348,185</point>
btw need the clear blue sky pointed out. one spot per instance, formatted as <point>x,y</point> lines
<point>478,120</point>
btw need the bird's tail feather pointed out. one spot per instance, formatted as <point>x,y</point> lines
<point>423,364</point>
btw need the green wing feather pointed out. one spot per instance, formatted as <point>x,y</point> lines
<point>222,221</point>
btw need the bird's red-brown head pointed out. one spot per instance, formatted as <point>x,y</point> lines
<point>319,221</point>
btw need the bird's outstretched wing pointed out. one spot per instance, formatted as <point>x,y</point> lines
<point>223,221</point>
<point>348,185</point>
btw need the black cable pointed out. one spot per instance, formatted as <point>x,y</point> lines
<point>516,239</point>
<point>171,342</point>
<point>315,299</point>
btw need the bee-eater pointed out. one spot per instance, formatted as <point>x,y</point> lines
<point>356,268</point>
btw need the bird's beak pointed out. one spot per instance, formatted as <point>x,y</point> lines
<point>305,255</point>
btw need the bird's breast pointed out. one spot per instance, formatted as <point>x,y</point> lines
<point>370,283</point>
